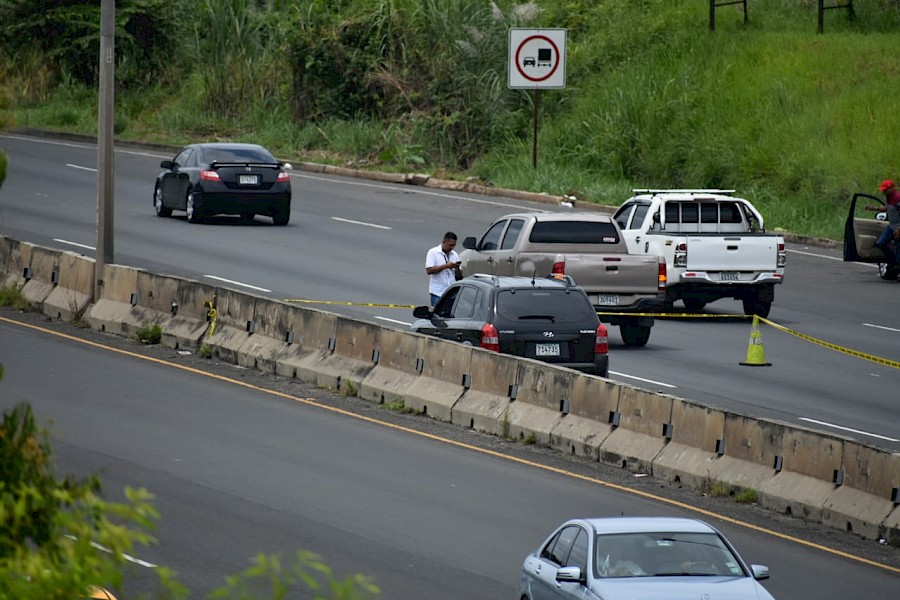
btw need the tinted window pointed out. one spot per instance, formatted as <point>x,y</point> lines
<point>562,306</point>
<point>444,306</point>
<point>512,233</point>
<point>672,215</point>
<point>573,232</point>
<point>183,158</point>
<point>690,213</point>
<point>558,549</point>
<point>465,305</point>
<point>252,154</point>
<point>491,239</point>
<point>729,213</point>
<point>578,557</point>
<point>623,215</point>
<point>639,213</point>
<point>709,212</point>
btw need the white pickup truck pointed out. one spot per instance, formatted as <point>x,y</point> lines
<point>715,246</point>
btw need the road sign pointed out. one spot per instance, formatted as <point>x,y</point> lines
<point>537,58</point>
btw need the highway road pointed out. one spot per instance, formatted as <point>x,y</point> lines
<point>357,240</point>
<point>241,463</point>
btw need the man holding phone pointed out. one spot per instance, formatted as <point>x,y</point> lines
<point>442,265</point>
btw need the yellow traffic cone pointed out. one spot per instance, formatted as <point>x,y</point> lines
<point>756,356</point>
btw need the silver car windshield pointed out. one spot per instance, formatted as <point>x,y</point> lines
<point>664,554</point>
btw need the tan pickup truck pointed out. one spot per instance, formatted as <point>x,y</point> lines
<point>588,247</point>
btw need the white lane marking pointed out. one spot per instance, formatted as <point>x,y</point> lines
<point>361,223</point>
<point>644,380</point>
<point>127,557</point>
<point>880,327</point>
<point>815,254</point>
<point>418,190</point>
<point>73,244</point>
<point>86,146</point>
<point>246,285</point>
<point>394,321</point>
<point>832,425</point>
<point>82,168</point>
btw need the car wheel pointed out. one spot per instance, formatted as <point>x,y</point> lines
<point>161,209</point>
<point>194,212</point>
<point>755,306</point>
<point>281,217</point>
<point>635,335</point>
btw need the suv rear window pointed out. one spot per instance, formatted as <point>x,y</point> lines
<point>563,307</point>
<point>573,232</point>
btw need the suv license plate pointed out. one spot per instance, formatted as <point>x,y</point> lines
<point>248,179</point>
<point>728,276</point>
<point>607,300</point>
<point>546,350</point>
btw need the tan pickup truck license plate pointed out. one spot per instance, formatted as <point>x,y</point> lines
<point>607,300</point>
<point>546,349</point>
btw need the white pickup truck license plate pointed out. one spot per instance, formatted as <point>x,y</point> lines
<point>607,300</point>
<point>728,276</point>
<point>546,349</point>
<point>248,179</point>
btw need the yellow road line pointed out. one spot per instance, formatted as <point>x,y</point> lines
<point>495,454</point>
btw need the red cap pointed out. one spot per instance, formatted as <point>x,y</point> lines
<point>885,185</point>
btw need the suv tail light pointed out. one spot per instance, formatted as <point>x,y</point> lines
<point>601,341</point>
<point>663,276</point>
<point>490,339</point>
<point>209,175</point>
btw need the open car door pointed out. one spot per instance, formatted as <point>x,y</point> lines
<point>860,233</point>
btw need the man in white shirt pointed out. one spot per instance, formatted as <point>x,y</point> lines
<point>442,266</point>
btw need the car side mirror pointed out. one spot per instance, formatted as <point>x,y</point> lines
<point>760,572</point>
<point>469,243</point>
<point>570,574</point>
<point>422,312</point>
<point>166,164</point>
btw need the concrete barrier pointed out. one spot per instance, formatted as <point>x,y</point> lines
<point>637,437</point>
<point>862,501</point>
<point>117,311</point>
<point>445,376</point>
<point>40,264</point>
<point>494,381</point>
<point>74,289</point>
<point>592,400</point>
<point>356,352</point>
<point>541,402</point>
<point>313,335</point>
<point>396,370</point>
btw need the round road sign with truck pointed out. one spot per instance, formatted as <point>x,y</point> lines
<point>537,58</point>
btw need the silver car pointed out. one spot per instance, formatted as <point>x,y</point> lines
<point>638,558</point>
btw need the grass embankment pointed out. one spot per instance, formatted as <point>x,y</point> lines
<point>794,120</point>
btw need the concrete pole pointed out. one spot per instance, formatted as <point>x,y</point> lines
<point>105,157</point>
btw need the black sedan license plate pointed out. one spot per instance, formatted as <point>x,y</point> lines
<point>248,179</point>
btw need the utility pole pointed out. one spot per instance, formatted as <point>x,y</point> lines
<point>105,162</point>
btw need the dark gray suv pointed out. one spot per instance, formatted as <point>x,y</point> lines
<point>546,319</point>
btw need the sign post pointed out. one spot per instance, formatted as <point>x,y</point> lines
<point>537,59</point>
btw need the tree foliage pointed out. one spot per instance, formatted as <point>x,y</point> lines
<point>60,538</point>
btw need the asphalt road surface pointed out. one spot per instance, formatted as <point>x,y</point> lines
<point>358,241</point>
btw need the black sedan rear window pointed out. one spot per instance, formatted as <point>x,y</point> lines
<point>551,305</point>
<point>238,154</point>
<point>573,232</point>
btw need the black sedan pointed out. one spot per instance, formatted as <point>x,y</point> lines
<point>224,179</point>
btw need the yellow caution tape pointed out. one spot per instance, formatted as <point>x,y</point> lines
<point>375,304</point>
<point>674,315</point>
<point>211,315</point>
<point>855,353</point>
